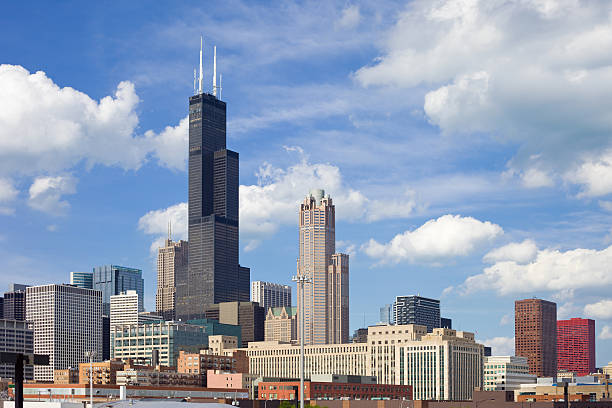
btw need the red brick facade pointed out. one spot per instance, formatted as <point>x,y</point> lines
<point>331,390</point>
<point>535,334</point>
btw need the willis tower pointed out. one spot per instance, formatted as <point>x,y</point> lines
<point>213,274</point>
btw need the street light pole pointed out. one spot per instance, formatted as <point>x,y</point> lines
<point>301,280</point>
<point>90,355</point>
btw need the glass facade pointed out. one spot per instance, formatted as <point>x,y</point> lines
<point>213,274</point>
<point>417,310</point>
<point>112,280</point>
<point>82,279</point>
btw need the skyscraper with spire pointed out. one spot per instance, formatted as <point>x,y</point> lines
<point>172,258</point>
<point>213,274</point>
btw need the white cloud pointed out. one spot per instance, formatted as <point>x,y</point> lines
<point>444,237</point>
<point>606,205</point>
<point>51,228</point>
<point>568,310</point>
<point>599,310</point>
<point>524,71</point>
<point>8,193</point>
<point>500,346</point>
<point>606,333</point>
<point>60,127</point>
<point>506,319</point>
<point>350,18</point>
<point>520,252</point>
<point>46,194</point>
<point>155,223</point>
<point>551,270</point>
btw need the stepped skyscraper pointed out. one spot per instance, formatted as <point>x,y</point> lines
<point>213,274</point>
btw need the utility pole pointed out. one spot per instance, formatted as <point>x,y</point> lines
<point>90,355</point>
<point>301,280</point>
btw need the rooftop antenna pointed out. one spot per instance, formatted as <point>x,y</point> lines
<point>194,81</point>
<point>215,70</point>
<point>220,85</point>
<point>170,230</point>
<point>201,73</point>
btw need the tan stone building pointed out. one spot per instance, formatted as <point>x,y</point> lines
<point>104,372</point>
<point>326,298</point>
<point>170,258</point>
<point>281,324</point>
<point>67,376</point>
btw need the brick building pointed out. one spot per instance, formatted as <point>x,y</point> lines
<point>576,346</point>
<point>535,333</point>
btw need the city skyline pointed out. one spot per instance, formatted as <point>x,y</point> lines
<point>344,99</point>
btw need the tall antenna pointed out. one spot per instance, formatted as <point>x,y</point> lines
<point>220,85</point>
<point>215,70</point>
<point>194,81</point>
<point>201,73</point>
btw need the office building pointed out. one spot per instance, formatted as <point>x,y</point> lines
<point>124,309</point>
<point>506,373</point>
<point>487,351</point>
<point>445,364</point>
<point>269,294</point>
<point>446,323</point>
<point>67,323</point>
<point>213,274</point>
<point>82,279</point>
<point>105,338</point>
<point>360,335</point>
<point>386,314</point>
<point>326,298</point>
<point>170,259</point>
<point>16,336</point>
<point>281,324</point>
<point>113,279</point>
<point>1,307</point>
<point>248,315</point>
<point>137,341</point>
<point>417,310</point>
<point>535,335</point>
<point>14,304</point>
<point>576,346</point>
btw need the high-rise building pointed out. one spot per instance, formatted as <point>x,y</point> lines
<point>14,305</point>
<point>16,336</point>
<point>506,373</point>
<point>82,279</point>
<point>105,338</point>
<point>269,294</point>
<point>281,324</point>
<point>170,258</point>
<point>124,310</point>
<point>1,307</point>
<point>338,299</point>
<point>113,279</point>
<point>386,314</point>
<point>67,323</point>
<point>576,346</point>
<point>213,274</point>
<point>446,323</point>
<point>535,335</point>
<point>248,315</point>
<point>417,310</point>
<point>326,297</point>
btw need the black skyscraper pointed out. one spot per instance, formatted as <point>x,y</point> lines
<point>213,274</point>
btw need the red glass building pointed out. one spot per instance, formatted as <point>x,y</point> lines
<point>576,345</point>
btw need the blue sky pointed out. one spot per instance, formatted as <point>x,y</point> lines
<point>466,144</point>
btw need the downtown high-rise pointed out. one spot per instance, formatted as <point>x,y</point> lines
<point>326,298</point>
<point>269,294</point>
<point>535,335</point>
<point>576,345</point>
<point>171,259</point>
<point>213,274</point>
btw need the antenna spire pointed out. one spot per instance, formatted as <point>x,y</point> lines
<point>215,71</point>
<point>194,81</point>
<point>220,85</point>
<point>201,73</point>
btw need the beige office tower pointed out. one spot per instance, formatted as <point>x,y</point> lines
<point>170,259</point>
<point>325,269</point>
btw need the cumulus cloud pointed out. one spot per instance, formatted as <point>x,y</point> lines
<point>551,270</point>
<point>524,71</point>
<point>46,194</point>
<point>274,201</point>
<point>500,346</point>
<point>519,252</point>
<point>599,310</point>
<point>46,128</point>
<point>8,193</point>
<point>155,223</point>
<point>606,333</point>
<point>444,237</point>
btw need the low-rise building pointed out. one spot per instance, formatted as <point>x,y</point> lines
<point>506,373</point>
<point>137,341</point>
<point>547,389</point>
<point>104,372</point>
<point>223,379</point>
<point>281,324</point>
<point>67,376</point>
<point>149,378</point>
<point>331,387</point>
